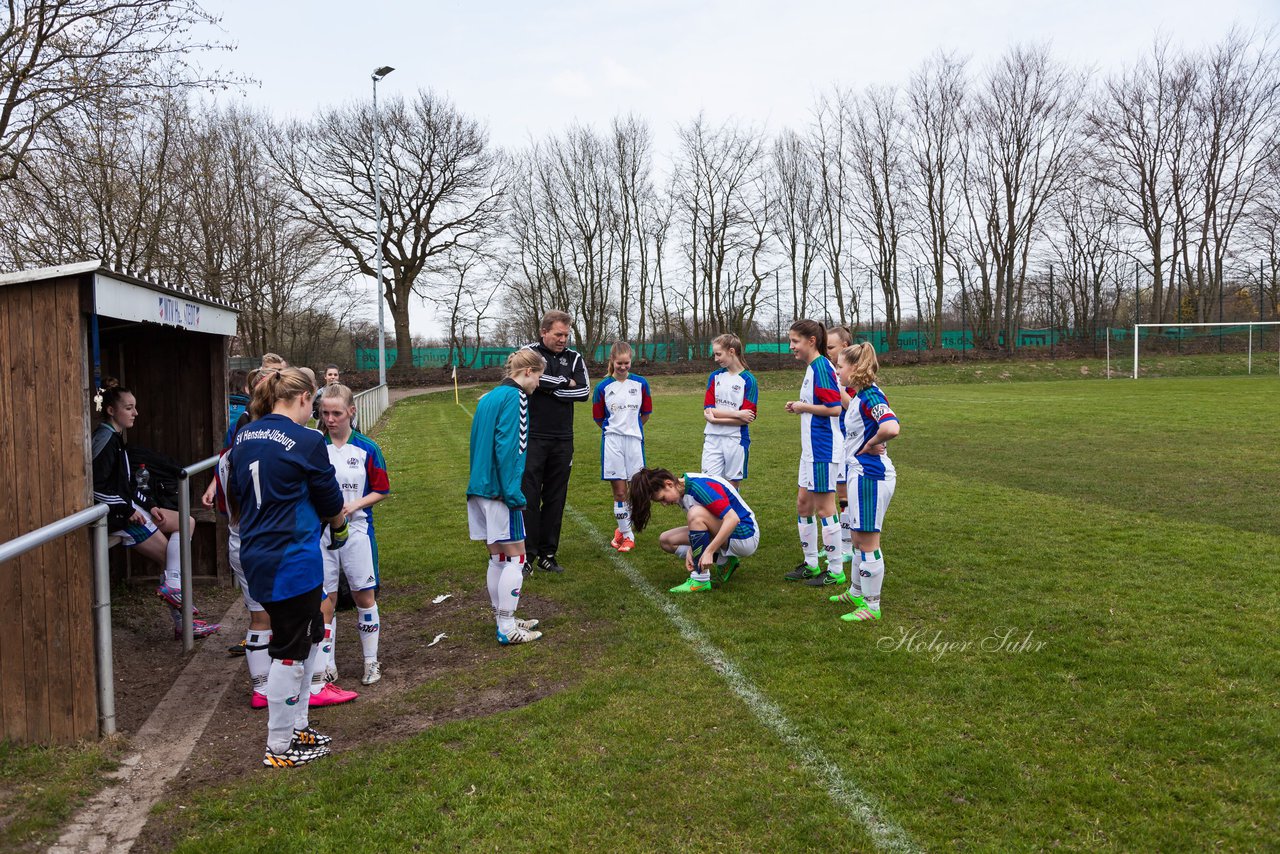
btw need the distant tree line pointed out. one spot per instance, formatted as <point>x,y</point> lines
<point>1022,193</point>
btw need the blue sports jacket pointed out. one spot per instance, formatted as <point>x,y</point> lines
<point>499,439</point>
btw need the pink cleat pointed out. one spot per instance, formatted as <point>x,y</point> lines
<point>258,700</point>
<point>331,695</point>
<point>199,628</point>
<point>173,598</point>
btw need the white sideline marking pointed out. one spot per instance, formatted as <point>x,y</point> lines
<point>857,804</point>
<point>860,806</point>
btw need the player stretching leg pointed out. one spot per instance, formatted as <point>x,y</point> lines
<point>362,477</point>
<point>281,490</point>
<point>721,528</point>
<point>621,406</point>
<point>870,424</point>
<point>821,452</point>
<point>495,501</point>
<point>728,407</point>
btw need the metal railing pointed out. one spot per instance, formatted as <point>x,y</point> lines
<point>184,546</point>
<point>370,404</point>
<point>95,517</point>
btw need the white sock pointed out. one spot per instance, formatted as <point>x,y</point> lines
<point>370,629</point>
<point>831,541</point>
<point>681,551</point>
<point>330,661</point>
<point>509,586</point>
<point>326,649</point>
<point>809,539</point>
<point>846,532</point>
<point>284,684</point>
<point>173,563</point>
<point>495,572</point>
<point>702,577</point>
<point>257,657</point>
<point>854,573</point>
<point>622,512</point>
<point>313,664</point>
<point>872,573</point>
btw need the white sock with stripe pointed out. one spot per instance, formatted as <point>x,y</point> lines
<point>284,684</point>
<point>831,541</point>
<point>622,513</point>
<point>509,586</point>
<point>325,648</point>
<point>494,573</point>
<point>809,539</point>
<point>872,572</point>
<point>257,657</point>
<point>173,563</point>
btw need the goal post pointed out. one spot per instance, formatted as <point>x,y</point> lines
<point>1178,332</point>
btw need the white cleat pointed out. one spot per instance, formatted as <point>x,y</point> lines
<point>528,625</point>
<point>372,672</point>
<point>517,635</point>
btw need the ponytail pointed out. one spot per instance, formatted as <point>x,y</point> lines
<point>645,484</point>
<point>862,358</point>
<point>275,385</point>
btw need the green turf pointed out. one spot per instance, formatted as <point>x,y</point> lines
<point>1077,649</point>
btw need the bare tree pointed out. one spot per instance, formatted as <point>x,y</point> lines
<point>795,211</point>
<point>56,55</point>
<point>834,117</point>
<point>442,187</point>
<point>936,98</point>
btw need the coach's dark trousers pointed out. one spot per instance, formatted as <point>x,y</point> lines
<point>547,467</point>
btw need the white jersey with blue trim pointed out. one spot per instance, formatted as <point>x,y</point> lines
<point>727,390</point>
<point>360,470</point>
<point>617,405</point>
<point>867,411</point>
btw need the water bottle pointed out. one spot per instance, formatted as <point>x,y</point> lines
<point>144,484</point>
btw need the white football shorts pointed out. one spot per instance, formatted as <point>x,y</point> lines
<point>818,477</point>
<point>358,559</point>
<point>725,456</point>
<point>868,499</point>
<point>620,457</point>
<point>494,522</point>
<point>233,558</point>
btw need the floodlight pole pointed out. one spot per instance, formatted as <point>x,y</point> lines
<point>377,75</point>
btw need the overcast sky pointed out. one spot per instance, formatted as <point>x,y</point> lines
<point>528,68</point>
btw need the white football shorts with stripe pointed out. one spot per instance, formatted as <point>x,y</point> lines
<point>868,500</point>
<point>746,547</point>
<point>494,522</point>
<point>357,559</point>
<point>233,558</point>
<point>620,457</point>
<point>818,477</point>
<point>724,456</point>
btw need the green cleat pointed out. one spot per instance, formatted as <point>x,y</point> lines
<point>692,586</point>
<point>862,615</point>
<point>825,578</point>
<point>847,598</point>
<point>728,569</point>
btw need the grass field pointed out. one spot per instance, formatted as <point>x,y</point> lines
<point>1078,648</point>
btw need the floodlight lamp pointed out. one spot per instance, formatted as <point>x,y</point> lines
<point>379,73</point>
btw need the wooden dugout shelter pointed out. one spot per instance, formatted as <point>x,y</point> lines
<point>62,329</point>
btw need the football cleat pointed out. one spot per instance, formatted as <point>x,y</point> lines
<point>862,615</point>
<point>727,569</point>
<point>529,624</point>
<point>331,673</point>
<point>848,598</point>
<point>199,628</point>
<point>826,577</point>
<point>802,572</point>
<point>173,597</point>
<point>627,544</point>
<point>372,672</point>
<point>238,648</point>
<point>691,586</point>
<point>547,563</point>
<point>331,695</point>
<point>258,700</point>
<point>617,538</point>
<point>296,754</point>
<point>311,738</point>
<point>517,635</point>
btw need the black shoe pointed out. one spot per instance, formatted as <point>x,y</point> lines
<point>802,572</point>
<point>824,578</point>
<point>547,563</point>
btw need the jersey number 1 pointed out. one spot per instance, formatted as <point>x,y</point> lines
<point>257,485</point>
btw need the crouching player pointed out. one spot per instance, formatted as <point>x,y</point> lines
<point>721,530</point>
<point>869,424</point>
<point>362,477</point>
<point>495,500</point>
<point>282,490</point>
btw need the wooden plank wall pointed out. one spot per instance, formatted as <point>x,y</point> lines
<point>47,676</point>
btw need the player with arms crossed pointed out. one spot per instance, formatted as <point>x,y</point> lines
<point>362,477</point>
<point>870,425</point>
<point>821,455</point>
<point>721,527</point>
<point>729,406</point>
<point>621,406</point>
<point>282,490</point>
<point>495,501</point>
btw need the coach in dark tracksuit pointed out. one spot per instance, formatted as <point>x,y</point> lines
<point>548,464</point>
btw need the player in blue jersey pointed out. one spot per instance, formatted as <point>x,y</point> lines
<point>495,498</point>
<point>721,528</point>
<point>621,405</point>
<point>870,425</point>
<point>282,490</point>
<point>132,515</point>
<point>821,455</point>
<point>362,476</point>
<point>728,407</point>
